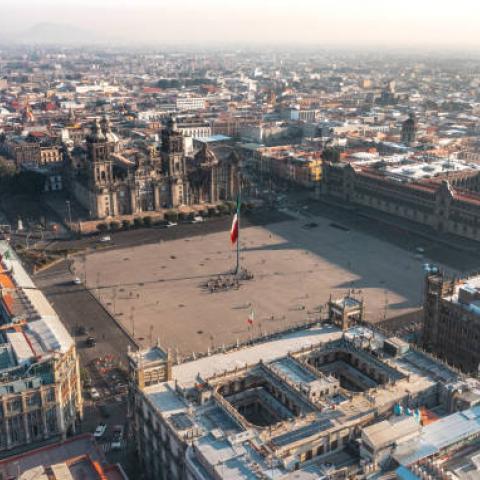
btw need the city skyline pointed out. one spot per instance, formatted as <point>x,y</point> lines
<point>368,24</point>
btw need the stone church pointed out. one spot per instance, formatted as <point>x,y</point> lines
<point>108,184</point>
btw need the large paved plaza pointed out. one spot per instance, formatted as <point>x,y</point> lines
<point>155,290</point>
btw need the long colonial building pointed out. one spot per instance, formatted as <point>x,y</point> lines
<point>40,394</point>
<point>442,194</point>
<point>281,408</point>
<point>108,184</point>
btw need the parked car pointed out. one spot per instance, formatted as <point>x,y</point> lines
<point>105,238</point>
<point>198,219</point>
<point>77,281</point>
<point>117,439</point>
<point>100,430</point>
<point>90,342</point>
<point>430,268</point>
<point>94,394</point>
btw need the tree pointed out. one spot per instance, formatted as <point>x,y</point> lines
<point>147,221</point>
<point>126,224</point>
<point>137,222</point>
<point>114,225</point>
<point>331,154</point>
<point>102,227</point>
<point>223,209</point>
<point>171,216</point>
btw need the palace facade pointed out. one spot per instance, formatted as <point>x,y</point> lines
<point>449,202</point>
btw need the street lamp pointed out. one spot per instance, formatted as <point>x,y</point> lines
<point>69,211</point>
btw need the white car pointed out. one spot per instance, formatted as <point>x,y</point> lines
<point>94,394</point>
<point>197,219</point>
<point>100,430</point>
<point>172,224</point>
<point>105,238</point>
<point>77,281</point>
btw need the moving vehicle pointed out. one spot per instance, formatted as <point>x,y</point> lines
<point>90,342</point>
<point>100,430</point>
<point>105,238</point>
<point>77,281</point>
<point>198,219</point>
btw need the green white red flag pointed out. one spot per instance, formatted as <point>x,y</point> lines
<point>234,230</point>
<point>235,226</point>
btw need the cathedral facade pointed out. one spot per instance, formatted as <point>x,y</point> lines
<point>108,184</point>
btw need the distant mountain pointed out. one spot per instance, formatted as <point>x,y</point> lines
<point>56,33</point>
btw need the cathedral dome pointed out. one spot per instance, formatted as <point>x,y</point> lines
<point>205,156</point>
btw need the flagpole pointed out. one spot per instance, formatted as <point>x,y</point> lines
<point>237,268</point>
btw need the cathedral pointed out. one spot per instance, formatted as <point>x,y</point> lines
<point>109,184</point>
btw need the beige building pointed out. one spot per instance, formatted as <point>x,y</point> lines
<point>279,408</point>
<point>40,393</point>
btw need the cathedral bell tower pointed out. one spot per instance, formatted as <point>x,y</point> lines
<point>101,165</point>
<point>174,164</point>
<point>173,155</point>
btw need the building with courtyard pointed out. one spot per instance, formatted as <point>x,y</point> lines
<point>285,407</point>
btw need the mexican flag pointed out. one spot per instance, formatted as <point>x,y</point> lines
<point>234,229</point>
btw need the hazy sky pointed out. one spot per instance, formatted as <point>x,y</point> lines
<point>333,22</point>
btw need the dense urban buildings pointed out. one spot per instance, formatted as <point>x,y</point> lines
<point>335,342</point>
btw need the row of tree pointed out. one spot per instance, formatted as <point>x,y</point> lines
<point>226,208</point>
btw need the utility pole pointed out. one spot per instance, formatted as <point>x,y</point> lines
<point>69,212</point>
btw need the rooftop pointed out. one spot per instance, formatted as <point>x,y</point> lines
<point>30,330</point>
<point>439,435</point>
<point>77,458</point>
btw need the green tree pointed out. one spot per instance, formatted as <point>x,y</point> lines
<point>102,227</point>
<point>171,216</point>
<point>331,154</point>
<point>147,221</point>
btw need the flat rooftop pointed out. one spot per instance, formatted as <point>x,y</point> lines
<point>31,329</point>
<point>231,446</point>
<point>72,459</point>
<point>423,170</point>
